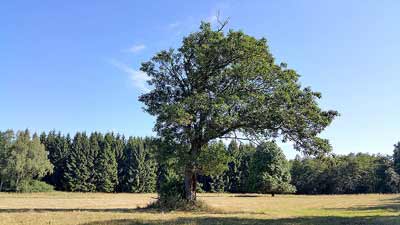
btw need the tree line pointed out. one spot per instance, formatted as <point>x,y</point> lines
<point>84,163</point>
<point>110,162</point>
<point>347,174</point>
<point>97,162</point>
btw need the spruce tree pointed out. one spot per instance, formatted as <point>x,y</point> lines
<point>118,147</point>
<point>95,141</point>
<point>139,166</point>
<point>106,165</point>
<point>78,169</point>
<point>57,147</point>
<point>150,165</point>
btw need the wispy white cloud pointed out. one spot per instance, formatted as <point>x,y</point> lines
<point>139,79</point>
<point>174,25</point>
<point>136,48</point>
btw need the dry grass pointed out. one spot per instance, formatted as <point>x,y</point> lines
<point>121,209</point>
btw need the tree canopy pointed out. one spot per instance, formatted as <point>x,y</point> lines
<point>217,84</point>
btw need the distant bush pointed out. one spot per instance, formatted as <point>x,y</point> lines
<point>171,197</point>
<point>34,186</point>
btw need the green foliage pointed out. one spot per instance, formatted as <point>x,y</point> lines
<point>353,173</point>
<point>213,159</point>
<point>165,173</point>
<point>220,83</point>
<point>391,181</point>
<point>217,183</point>
<point>92,154</point>
<point>232,175</point>
<point>101,163</point>
<point>247,152</point>
<point>139,167</point>
<point>106,168</point>
<point>57,147</point>
<point>356,174</point>
<point>387,180</point>
<point>171,193</point>
<point>22,159</point>
<point>396,157</point>
<point>118,146</point>
<point>34,186</point>
<point>235,177</point>
<point>79,165</point>
<point>171,196</point>
<point>146,164</point>
<point>314,175</point>
<point>5,153</point>
<point>269,170</point>
<point>29,158</point>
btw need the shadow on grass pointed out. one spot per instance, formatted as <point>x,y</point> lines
<point>236,221</point>
<point>390,205</point>
<point>247,196</point>
<point>123,210</point>
<point>115,210</point>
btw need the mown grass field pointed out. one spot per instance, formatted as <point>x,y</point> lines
<point>123,209</point>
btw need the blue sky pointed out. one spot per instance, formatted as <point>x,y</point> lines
<point>73,65</point>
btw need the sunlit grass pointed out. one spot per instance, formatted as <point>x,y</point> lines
<point>121,209</point>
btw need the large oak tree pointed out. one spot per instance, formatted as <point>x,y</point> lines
<point>221,85</point>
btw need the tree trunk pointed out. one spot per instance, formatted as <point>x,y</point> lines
<point>190,184</point>
<point>190,173</point>
<point>17,184</point>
